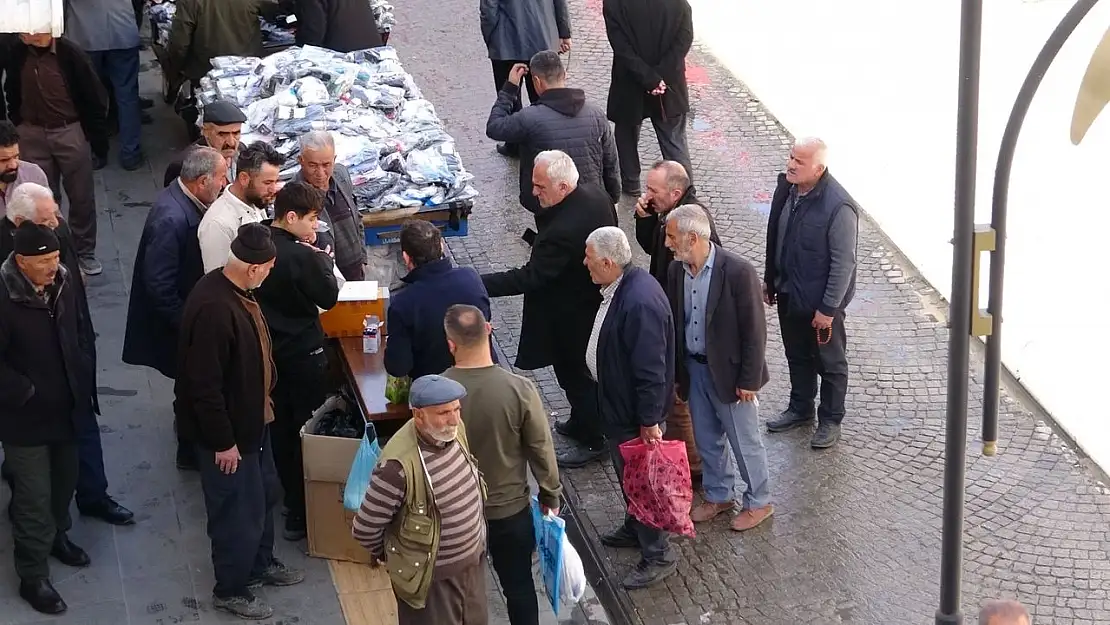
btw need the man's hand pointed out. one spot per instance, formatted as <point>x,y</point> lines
<point>744,396</point>
<point>228,460</point>
<point>517,73</point>
<point>326,250</point>
<point>769,296</point>
<point>642,206</point>
<point>651,435</point>
<point>659,89</point>
<point>821,322</point>
<point>564,45</point>
<point>546,510</point>
<point>375,562</point>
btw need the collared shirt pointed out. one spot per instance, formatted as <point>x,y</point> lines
<point>607,293</point>
<point>219,226</point>
<point>201,208</point>
<point>46,100</point>
<point>696,297</point>
<point>25,172</point>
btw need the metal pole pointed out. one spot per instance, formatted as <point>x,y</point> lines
<point>993,365</point>
<point>959,317</point>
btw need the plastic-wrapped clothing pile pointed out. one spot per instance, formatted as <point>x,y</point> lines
<point>161,13</point>
<point>383,15</point>
<point>386,134</point>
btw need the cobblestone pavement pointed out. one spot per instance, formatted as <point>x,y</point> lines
<point>856,535</point>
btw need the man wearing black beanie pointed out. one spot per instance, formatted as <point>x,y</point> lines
<point>46,379</point>
<point>225,378</point>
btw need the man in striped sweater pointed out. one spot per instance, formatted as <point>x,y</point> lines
<point>422,515</point>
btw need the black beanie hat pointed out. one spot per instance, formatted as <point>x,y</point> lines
<point>253,244</point>
<point>32,239</point>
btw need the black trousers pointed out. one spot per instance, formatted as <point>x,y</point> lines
<point>807,359</point>
<point>299,392</point>
<point>654,544</point>
<point>512,541</point>
<point>501,74</point>
<point>581,390</point>
<point>671,134</point>
<point>43,479</point>
<point>240,509</point>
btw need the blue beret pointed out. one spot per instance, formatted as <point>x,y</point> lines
<point>434,390</point>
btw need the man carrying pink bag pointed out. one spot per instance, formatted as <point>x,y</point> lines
<point>631,355</point>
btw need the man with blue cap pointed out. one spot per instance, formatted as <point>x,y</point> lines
<point>422,516</point>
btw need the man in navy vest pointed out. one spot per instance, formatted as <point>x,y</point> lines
<point>811,276</point>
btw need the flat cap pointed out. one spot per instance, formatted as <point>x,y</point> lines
<point>434,390</point>
<point>222,112</point>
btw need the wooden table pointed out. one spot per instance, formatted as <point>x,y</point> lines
<point>366,373</point>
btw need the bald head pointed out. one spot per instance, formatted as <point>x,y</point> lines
<point>1007,612</point>
<point>667,182</point>
<point>466,327</point>
<point>807,163</point>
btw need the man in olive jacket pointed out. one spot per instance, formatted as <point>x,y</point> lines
<point>46,378</point>
<point>205,29</point>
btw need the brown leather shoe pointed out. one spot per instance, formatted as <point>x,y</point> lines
<point>749,518</point>
<point>707,511</point>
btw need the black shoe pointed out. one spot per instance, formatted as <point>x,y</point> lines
<point>620,538</point>
<point>644,574</point>
<point>109,511</point>
<point>41,595</point>
<point>146,103</point>
<point>579,457</point>
<point>508,149</point>
<point>788,420</point>
<point>99,162</point>
<point>133,164</point>
<point>826,436</point>
<point>69,554</point>
<point>277,574</point>
<point>564,428</point>
<point>295,528</point>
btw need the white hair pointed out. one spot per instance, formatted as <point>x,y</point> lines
<point>610,242</point>
<point>25,201</point>
<point>820,150</point>
<point>560,166</point>
<point>200,162</point>
<point>691,219</point>
<point>317,140</point>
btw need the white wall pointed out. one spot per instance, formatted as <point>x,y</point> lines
<point>877,79</point>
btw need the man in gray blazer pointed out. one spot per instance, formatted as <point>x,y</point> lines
<point>516,30</point>
<point>720,349</point>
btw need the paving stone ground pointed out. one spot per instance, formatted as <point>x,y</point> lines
<point>856,535</point>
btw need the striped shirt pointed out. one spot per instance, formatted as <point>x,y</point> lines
<point>455,493</point>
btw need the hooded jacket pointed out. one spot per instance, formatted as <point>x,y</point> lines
<point>560,120</point>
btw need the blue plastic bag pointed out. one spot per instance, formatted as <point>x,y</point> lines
<point>549,543</point>
<point>359,478</point>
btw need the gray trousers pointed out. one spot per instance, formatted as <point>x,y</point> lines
<point>671,134</point>
<point>43,481</point>
<point>66,158</point>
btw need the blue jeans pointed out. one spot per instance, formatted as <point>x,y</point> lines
<point>738,422</point>
<point>119,69</point>
<point>92,483</point>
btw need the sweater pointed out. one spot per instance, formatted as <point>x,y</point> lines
<point>509,433</point>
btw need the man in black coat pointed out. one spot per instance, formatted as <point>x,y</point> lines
<point>302,283</point>
<point>811,276</point>
<point>650,40</point>
<point>167,265</point>
<point>560,300</point>
<point>559,120</point>
<point>631,355</point>
<point>222,398</point>
<point>46,379</point>
<point>340,25</point>
<point>720,347</point>
<point>221,130</point>
<point>668,186</point>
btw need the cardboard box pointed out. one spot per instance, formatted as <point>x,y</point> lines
<point>327,461</point>
<point>356,300</point>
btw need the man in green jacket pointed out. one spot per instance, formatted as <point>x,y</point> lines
<point>205,29</point>
<point>504,415</point>
<point>422,514</point>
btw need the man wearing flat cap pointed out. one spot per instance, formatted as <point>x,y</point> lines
<point>422,516</point>
<point>225,377</point>
<point>46,379</point>
<point>223,124</point>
